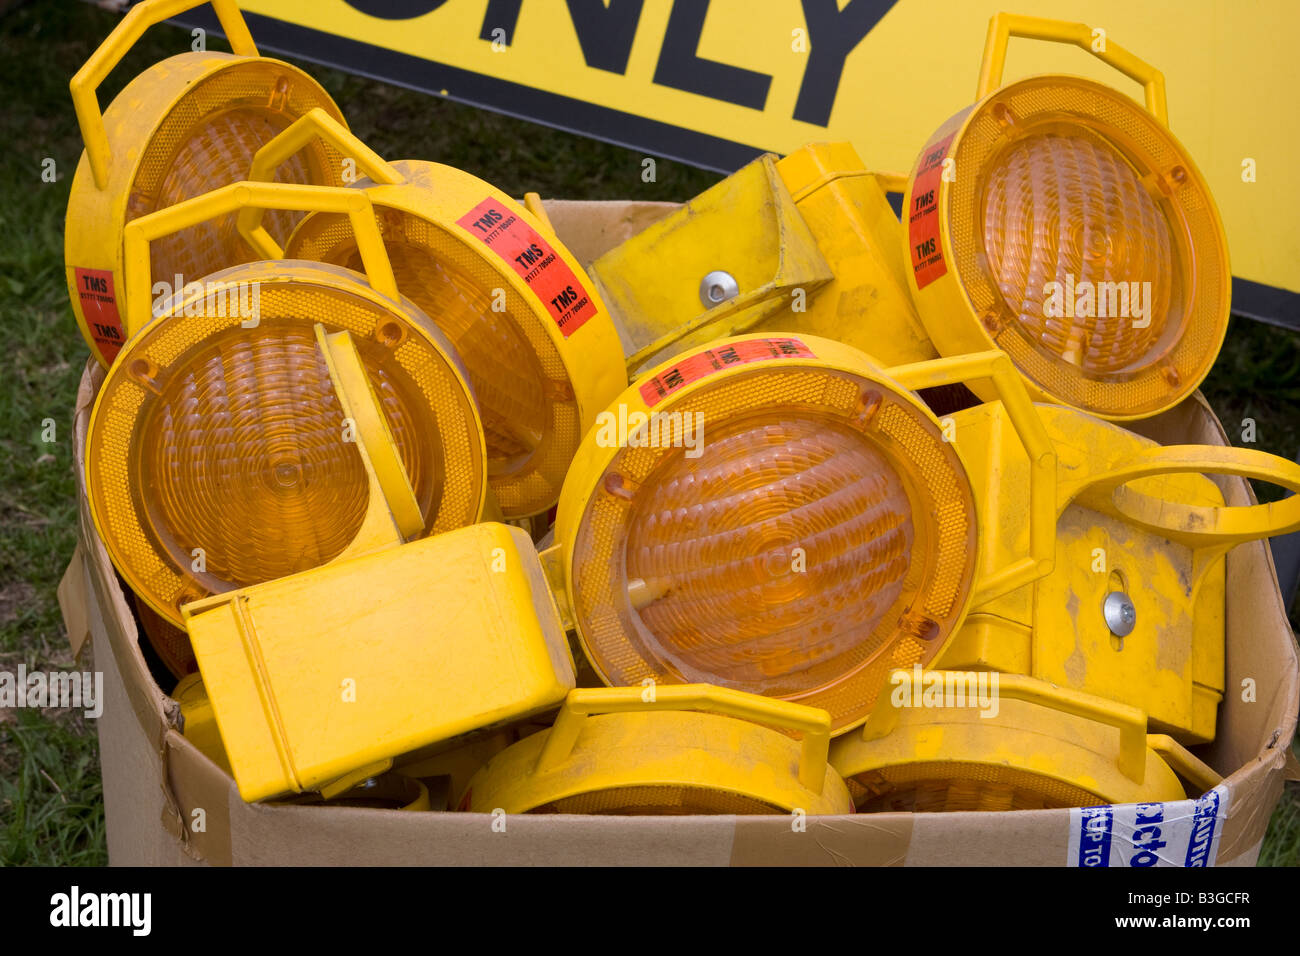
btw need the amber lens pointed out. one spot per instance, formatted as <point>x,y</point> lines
<point>208,140</point>
<point>525,398</point>
<point>662,801</point>
<point>215,154</point>
<point>720,546</point>
<point>503,368</point>
<point>220,456</point>
<point>819,532</point>
<point>962,786</point>
<point>170,643</point>
<point>243,449</point>
<point>1065,213</point>
<point>1078,236</point>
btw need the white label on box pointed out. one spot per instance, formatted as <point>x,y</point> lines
<point>1179,833</point>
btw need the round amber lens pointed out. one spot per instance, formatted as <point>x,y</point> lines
<point>776,550</point>
<point>501,365</point>
<point>1081,254</point>
<point>213,154</point>
<point>244,452</point>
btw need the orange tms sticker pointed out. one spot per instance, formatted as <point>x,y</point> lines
<point>702,364</point>
<point>99,306</point>
<point>923,217</point>
<point>533,260</point>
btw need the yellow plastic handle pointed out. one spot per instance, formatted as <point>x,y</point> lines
<point>1131,722</point>
<point>228,199</point>
<point>361,406</point>
<point>140,18</point>
<point>315,124</point>
<point>997,368</point>
<point>1003,26</point>
<point>1183,762</point>
<point>812,722</point>
<point>1194,525</point>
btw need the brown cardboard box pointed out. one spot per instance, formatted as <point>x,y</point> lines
<point>167,804</point>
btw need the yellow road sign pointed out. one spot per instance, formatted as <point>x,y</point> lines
<point>713,83</point>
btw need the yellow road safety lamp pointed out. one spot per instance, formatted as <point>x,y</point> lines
<point>183,127</point>
<point>805,244</point>
<point>541,352</point>
<point>937,742</point>
<point>1134,607</point>
<point>1058,220</point>
<point>320,679</point>
<point>689,749</point>
<point>218,455</point>
<point>783,517</point>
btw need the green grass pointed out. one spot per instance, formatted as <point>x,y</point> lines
<point>51,807</point>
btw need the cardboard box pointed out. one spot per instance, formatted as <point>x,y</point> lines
<point>168,804</point>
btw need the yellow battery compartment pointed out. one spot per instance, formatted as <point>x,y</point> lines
<point>320,679</point>
<point>185,126</point>
<point>388,791</point>
<point>805,244</point>
<point>667,751</point>
<point>1131,543</point>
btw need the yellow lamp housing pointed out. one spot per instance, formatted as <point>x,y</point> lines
<point>218,455</point>
<point>183,127</point>
<point>1133,609</point>
<point>932,745</point>
<point>540,350</point>
<point>806,244</point>
<point>320,679</point>
<point>1061,222</point>
<point>681,750</point>
<point>198,722</point>
<point>781,516</point>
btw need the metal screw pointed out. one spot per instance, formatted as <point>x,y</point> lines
<point>717,287</point>
<point>1120,614</point>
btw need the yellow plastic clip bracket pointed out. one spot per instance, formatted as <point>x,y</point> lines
<point>997,368</point>
<point>1129,721</point>
<point>395,504</point>
<point>812,723</point>
<point>124,36</point>
<point>1003,26</point>
<point>228,199</point>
